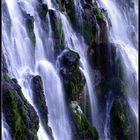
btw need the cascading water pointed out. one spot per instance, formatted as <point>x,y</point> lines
<point>26,59</point>
<point>124,24</point>
<point>77,43</point>
<point>5,128</point>
<point>55,99</point>
<point>20,61</point>
<point>121,36</point>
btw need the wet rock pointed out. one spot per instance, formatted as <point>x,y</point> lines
<point>84,128</point>
<point>121,121</point>
<point>93,19</point>
<point>68,7</point>
<point>4,65</point>
<point>29,22</point>
<point>42,10</point>
<point>58,34</point>
<point>19,114</point>
<point>99,58</point>
<point>73,78</point>
<point>40,102</point>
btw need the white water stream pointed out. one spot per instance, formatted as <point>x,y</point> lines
<point>23,60</point>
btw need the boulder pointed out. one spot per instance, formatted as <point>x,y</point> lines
<point>58,34</point>
<point>84,128</point>
<point>40,102</point>
<point>42,10</point>
<point>73,78</point>
<point>19,114</point>
<point>121,121</point>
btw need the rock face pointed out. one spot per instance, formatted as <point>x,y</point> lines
<point>84,129</point>
<point>29,21</point>
<point>19,114</point>
<point>121,121</point>
<point>74,82</point>
<point>72,77</point>
<point>58,34</point>
<point>68,7</point>
<point>105,58</point>
<point>40,102</point>
<point>42,10</point>
<point>101,56</point>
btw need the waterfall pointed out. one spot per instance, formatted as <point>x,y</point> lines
<point>21,64</point>
<point>124,24</point>
<point>55,99</point>
<point>77,43</point>
<point>5,130</point>
<point>30,54</point>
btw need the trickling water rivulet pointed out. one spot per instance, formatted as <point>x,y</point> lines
<point>74,65</point>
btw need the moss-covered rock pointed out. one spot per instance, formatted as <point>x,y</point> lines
<point>121,121</point>
<point>7,78</point>
<point>84,128</point>
<point>42,10</point>
<point>99,15</point>
<point>73,78</point>
<point>29,22</point>
<point>68,7</point>
<point>93,21</point>
<point>20,115</point>
<point>40,102</point>
<point>58,34</point>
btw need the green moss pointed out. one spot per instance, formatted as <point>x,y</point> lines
<point>72,89</point>
<point>7,78</point>
<point>60,34</point>
<point>121,119</point>
<point>23,98</point>
<point>42,10</point>
<point>69,8</point>
<point>18,111</point>
<point>83,124</point>
<point>61,5</point>
<point>19,116</point>
<point>32,36</point>
<point>30,28</point>
<point>75,86</point>
<point>89,33</point>
<point>92,130</point>
<point>59,40</point>
<point>99,14</point>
